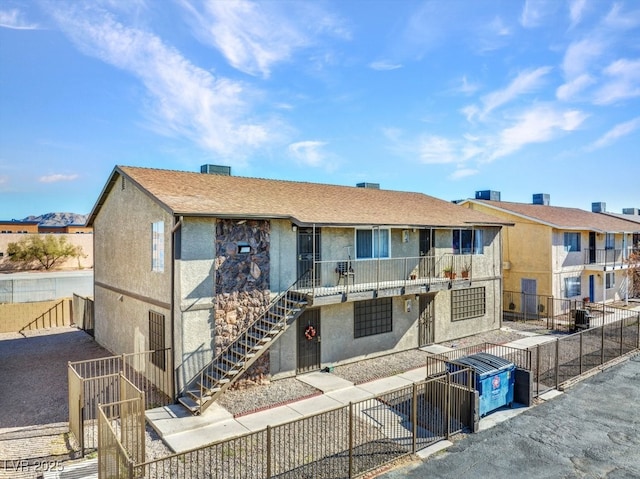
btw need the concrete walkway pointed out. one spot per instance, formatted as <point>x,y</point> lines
<point>182,431</point>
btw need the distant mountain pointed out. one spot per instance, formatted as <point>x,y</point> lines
<point>58,219</point>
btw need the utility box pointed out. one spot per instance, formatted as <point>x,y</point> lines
<point>494,379</point>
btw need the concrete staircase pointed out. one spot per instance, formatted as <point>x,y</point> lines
<point>236,358</point>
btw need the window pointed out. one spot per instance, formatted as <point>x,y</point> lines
<point>572,242</point>
<point>371,317</point>
<point>157,246</point>
<point>373,243</point>
<point>609,241</point>
<point>156,339</point>
<point>610,280</point>
<point>572,287</point>
<point>468,242</point>
<point>468,303</point>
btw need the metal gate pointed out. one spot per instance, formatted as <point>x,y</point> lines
<point>426,320</point>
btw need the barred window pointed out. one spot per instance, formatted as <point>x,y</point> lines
<point>468,303</point>
<point>156,338</point>
<point>374,316</point>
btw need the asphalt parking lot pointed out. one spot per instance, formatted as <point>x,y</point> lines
<point>590,431</point>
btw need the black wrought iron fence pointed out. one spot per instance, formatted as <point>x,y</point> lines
<point>565,358</point>
<point>345,442</point>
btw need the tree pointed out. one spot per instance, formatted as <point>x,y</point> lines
<point>633,273</point>
<point>43,250</point>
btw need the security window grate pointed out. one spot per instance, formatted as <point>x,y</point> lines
<point>468,303</point>
<point>156,339</point>
<point>373,316</point>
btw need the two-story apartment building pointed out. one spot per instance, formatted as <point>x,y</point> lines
<point>286,277</point>
<point>561,252</point>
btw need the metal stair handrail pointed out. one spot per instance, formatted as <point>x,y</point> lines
<point>243,334</point>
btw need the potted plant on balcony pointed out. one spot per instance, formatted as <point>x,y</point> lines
<point>466,268</point>
<point>448,272</point>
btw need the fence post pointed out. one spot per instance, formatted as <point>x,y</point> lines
<point>621,337</point>
<point>414,418</point>
<point>350,439</point>
<point>557,361</point>
<point>538,370</point>
<point>447,402</point>
<point>268,451</point>
<point>581,353</point>
<point>602,340</point>
<point>638,335</point>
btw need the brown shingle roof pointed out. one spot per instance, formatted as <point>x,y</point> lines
<point>565,218</point>
<point>188,193</point>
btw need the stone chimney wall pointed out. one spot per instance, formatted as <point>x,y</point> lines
<point>242,285</point>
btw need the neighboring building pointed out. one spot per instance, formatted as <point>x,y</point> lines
<point>15,230</point>
<point>561,252</point>
<point>191,260</point>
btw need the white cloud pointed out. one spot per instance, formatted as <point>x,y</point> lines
<point>624,82</point>
<point>580,55</point>
<point>55,178</point>
<point>463,173</point>
<point>384,65</point>
<point>186,101</point>
<point>537,125</point>
<point>308,152</point>
<point>620,20</point>
<point>534,12</point>
<point>467,87</point>
<point>436,150</point>
<point>525,82</point>
<point>618,131</point>
<point>576,8</point>
<point>13,19</point>
<point>255,36</point>
<point>571,89</point>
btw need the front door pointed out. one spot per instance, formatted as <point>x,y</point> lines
<point>309,341</point>
<point>529,299</point>
<point>592,288</point>
<point>427,264</point>
<point>308,250</point>
<point>592,247</point>
<point>426,333</point>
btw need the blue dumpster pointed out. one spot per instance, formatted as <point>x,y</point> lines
<point>494,377</point>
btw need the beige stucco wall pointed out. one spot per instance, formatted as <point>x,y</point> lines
<point>85,241</point>
<point>15,317</point>
<point>125,288</point>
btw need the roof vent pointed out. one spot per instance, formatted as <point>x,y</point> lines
<point>488,195</point>
<point>541,199</point>
<point>373,186</point>
<point>630,211</point>
<point>599,207</point>
<point>216,170</point>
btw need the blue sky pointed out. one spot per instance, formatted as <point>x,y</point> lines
<point>441,97</point>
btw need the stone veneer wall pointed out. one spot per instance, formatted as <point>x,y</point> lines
<point>242,285</point>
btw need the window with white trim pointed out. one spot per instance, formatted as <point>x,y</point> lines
<point>610,280</point>
<point>157,246</point>
<point>372,243</point>
<point>572,286</point>
<point>468,242</point>
<point>571,242</point>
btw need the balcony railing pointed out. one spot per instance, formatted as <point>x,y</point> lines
<point>609,258</point>
<point>331,277</point>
